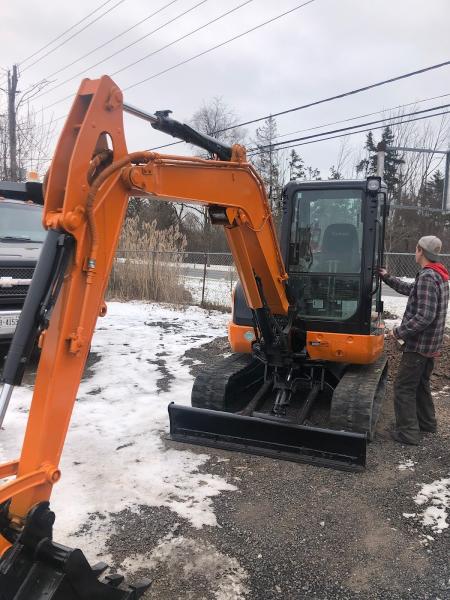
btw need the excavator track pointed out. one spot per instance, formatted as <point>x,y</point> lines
<point>227,384</point>
<point>357,399</point>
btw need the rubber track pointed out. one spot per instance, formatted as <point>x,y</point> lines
<point>221,385</point>
<point>357,399</point>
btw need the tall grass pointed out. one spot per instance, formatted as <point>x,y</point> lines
<point>140,270</point>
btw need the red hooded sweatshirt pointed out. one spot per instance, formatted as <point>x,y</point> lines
<point>439,268</point>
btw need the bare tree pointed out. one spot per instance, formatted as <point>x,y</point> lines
<point>216,119</point>
<point>24,135</point>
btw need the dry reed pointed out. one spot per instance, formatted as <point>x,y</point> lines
<point>148,264</point>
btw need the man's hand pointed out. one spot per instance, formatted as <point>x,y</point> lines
<point>381,272</point>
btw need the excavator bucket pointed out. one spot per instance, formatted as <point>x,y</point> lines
<point>268,437</point>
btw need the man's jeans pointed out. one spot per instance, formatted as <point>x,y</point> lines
<point>413,403</point>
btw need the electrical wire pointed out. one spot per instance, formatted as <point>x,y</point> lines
<point>349,93</point>
<point>83,71</point>
<point>353,133</point>
<point>255,152</point>
<point>74,35</point>
<point>232,39</point>
<point>225,14</point>
<point>324,124</point>
<point>178,39</point>
<point>113,39</point>
<point>377,112</point>
<point>315,135</point>
<point>64,32</point>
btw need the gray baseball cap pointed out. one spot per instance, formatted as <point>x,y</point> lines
<point>431,246</point>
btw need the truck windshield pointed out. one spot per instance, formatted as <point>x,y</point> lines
<point>21,222</point>
<point>325,252</point>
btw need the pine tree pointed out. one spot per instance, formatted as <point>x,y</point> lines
<point>296,166</point>
<point>313,173</point>
<point>334,173</point>
<point>267,162</point>
<point>434,190</point>
<point>392,162</point>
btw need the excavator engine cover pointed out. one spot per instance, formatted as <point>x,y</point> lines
<point>268,437</point>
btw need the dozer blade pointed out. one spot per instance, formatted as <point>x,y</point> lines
<point>254,435</point>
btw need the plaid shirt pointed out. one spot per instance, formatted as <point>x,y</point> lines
<point>423,324</point>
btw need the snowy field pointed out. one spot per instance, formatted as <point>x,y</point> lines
<point>116,437</point>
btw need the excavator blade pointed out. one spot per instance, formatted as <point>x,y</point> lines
<point>274,438</point>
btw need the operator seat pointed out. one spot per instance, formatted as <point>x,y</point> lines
<point>340,251</point>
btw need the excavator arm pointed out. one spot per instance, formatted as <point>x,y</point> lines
<point>89,182</point>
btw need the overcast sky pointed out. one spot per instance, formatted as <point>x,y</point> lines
<point>326,47</point>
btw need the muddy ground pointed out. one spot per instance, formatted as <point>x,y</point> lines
<point>294,531</point>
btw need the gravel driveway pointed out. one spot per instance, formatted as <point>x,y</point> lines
<point>295,531</point>
<point>291,531</point>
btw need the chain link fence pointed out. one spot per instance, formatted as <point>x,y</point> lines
<point>402,264</point>
<point>205,278</point>
<point>201,278</point>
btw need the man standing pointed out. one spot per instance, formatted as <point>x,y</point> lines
<point>421,332</point>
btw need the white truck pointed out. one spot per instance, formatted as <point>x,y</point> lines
<point>21,239</point>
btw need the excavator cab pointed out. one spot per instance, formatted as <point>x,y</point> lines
<point>332,237</point>
<point>320,401</point>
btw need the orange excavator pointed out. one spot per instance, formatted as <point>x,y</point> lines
<point>315,334</point>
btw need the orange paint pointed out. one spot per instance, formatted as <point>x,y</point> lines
<point>90,204</point>
<point>240,337</point>
<point>344,347</point>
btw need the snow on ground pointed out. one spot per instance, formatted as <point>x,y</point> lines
<point>115,457</point>
<point>228,578</point>
<point>217,291</point>
<point>437,496</point>
<point>408,464</point>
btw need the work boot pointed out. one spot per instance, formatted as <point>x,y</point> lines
<point>398,437</point>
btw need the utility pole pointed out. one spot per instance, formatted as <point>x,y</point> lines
<point>12,124</point>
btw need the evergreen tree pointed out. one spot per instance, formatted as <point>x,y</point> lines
<point>334,173</point>
<point>392,162</point>
<point>312,173</point>
<point>434,190</point>
<point>267,162</point>
<point>296,166</point>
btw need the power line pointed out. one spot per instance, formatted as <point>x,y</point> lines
<point>82,72</point>
<point>349,93</point>
<point>74,34</point>
<point>377,112</point>
<point>353,132</point>
<point>220,45</point>
<point>324,124</point>
<point>64,32</point>
<point>336,97</point>
<point>225,14</point>
<point>417,112</point>
<point>179,39</point>
<point>116,37</point>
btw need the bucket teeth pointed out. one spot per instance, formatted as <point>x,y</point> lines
<point>114,579</point>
